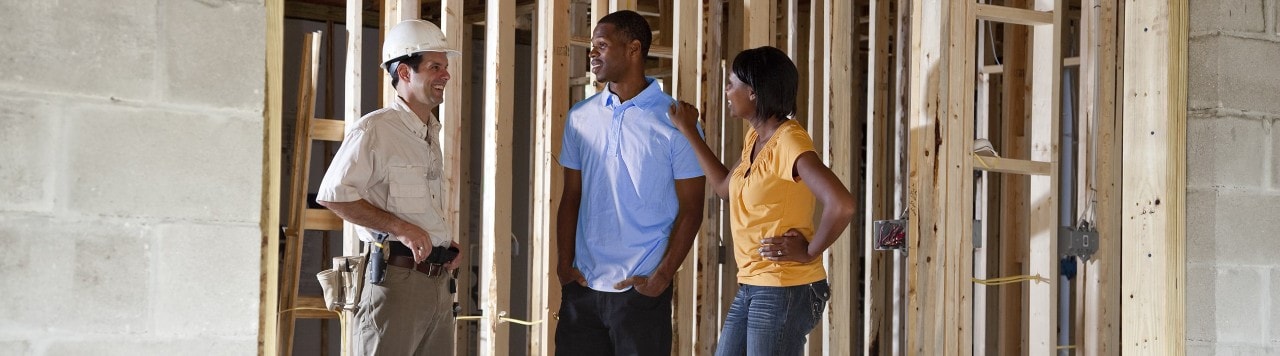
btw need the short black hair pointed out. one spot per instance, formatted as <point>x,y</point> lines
<point>632,26</point>
<point>412,60</point>
<point>773,77</point>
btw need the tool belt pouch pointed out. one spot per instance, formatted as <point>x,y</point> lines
<point>343,283</point>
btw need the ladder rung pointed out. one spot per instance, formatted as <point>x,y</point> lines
<point>308,309</point>
<point>321,219</point>
<point>1009,165</point>
<point>327,129</point>
<point>1012,15</point>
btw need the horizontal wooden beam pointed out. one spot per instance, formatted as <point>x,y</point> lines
<point>327,129</point>
<point>322,13</point>
<point>655,51</point>
<point>1009,165</point>
<point>999,68</point>
<point>321,219</point>
<point>312,307</point>
<point>1011,15</point>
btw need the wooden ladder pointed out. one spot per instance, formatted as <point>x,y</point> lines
<point>301,218</point>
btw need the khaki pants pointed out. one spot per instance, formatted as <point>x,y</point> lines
<point>409,314</point>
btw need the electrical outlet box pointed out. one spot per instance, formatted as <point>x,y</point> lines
<point>1077,242</point>
<point>889,234</point>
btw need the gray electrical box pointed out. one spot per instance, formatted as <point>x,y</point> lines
<point>1078,242</point>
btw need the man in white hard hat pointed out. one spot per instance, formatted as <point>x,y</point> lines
<point>387,179</point>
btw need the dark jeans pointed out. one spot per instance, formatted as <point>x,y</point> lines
<point>772,320</point>
<point>605,323</point>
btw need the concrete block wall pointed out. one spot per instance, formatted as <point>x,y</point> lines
<point>1233,183</point>
<point>132,134</point>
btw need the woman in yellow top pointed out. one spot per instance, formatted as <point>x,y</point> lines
<point>771,193</point>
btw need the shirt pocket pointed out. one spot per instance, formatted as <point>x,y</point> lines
<point>408,190</point>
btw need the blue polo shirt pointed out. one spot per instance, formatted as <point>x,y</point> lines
<point>630,155</point>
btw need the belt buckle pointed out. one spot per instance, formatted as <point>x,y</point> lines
<point>435,270</point>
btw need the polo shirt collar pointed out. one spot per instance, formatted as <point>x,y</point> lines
<point>651,95</point>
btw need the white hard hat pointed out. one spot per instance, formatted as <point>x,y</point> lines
<point>413,36</point>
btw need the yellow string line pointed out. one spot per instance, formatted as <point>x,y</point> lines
<point>1064,347</point>
<point>505,319</point>
<point>980,161</point>
<point>1010,280</point>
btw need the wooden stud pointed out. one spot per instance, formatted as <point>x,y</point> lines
<point>924,284</point>
<point>839,153</point>
<point>685,31</point>
<point>876,328</point>
<point>1013,196</point>
<point>1013,15</point>
<point>981,203</point>
<point>1046,73</point>
<point>268,279</point>
<point>957,173</point>
<point>902,81</point>
<point>710,89</point>
<point>495,266</point>
<point>394,11</point>
<point>815,116</point>
<point>1154,196</point>
<point>297,227</point>
<point>1101,331</point>
<point>466,333</point>
<point>351,107</point>
<point>732,135</point>
<point>553,108</point>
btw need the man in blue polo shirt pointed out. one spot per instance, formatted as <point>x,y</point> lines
<point>632,203</point>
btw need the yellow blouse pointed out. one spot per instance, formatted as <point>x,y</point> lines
<point>766,198</point>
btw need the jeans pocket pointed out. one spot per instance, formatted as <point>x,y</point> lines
<point>820,293</point>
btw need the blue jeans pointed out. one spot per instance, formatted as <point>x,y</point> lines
<point>772,320</point>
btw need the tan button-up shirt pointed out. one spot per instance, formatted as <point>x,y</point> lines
<point>392,160</point>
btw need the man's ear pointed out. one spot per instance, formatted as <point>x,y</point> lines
<point>634,47</point>
<point>402,72</point>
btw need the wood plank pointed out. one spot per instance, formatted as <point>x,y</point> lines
<point>876,320</point>
<point>901,111</point>
<point>467,336</point>
<point>351,95</point>
<point>981,202</point>
<point>452,136</point>
<point>300,168</point>
<point>1010,165</point>
<point>686,17</point>
<point>1154,189</point>
<point>321,219</point>
<point>1045,104</point>
<point>393,12</point>
<point>1014,201</point>
<point>655,51</point>
<point>708,256</point>
<point>1013,15</point>
<point>957,219</point>
<point>495,263</point>
<point>839,152</point>
<point>552,109</point>
<point>732,135</point>
<point>760,20</point>
<point>269,276</point>
<point>1101,331</point>
<point>815,117</point>
<point>327,130</point>
<point>924,286</point>
<point>313,307</point>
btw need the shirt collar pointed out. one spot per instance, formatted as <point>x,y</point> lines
<point>415,124</point>
<point>651,95</point>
